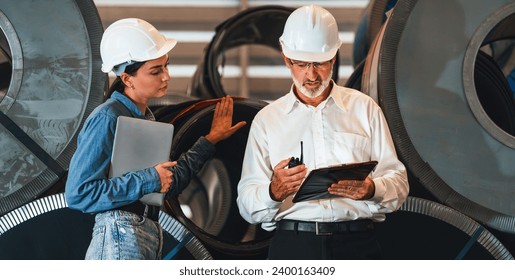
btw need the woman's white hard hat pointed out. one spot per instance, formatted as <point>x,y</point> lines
<point>132,40</point>
<point>310,34</point>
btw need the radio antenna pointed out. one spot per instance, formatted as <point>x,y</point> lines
<point>301,152</point>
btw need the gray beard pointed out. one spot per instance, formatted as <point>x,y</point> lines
<point>312,93</point>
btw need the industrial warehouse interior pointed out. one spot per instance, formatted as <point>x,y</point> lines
<point>442,72</point>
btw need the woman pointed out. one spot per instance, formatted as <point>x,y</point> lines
<point>125,228</point>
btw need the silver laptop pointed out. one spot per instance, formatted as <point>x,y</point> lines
<point>139,144</point>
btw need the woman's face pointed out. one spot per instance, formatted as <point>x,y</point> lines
<point>150,81</point>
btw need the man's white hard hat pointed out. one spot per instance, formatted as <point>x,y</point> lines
<point>132,40</point>
<point>310,34</point>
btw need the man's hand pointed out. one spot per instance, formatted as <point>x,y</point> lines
<point>286,181</point>
<point>354,189</point>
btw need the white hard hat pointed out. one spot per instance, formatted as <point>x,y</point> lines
<point>310,34</point>
<point>130,40</point>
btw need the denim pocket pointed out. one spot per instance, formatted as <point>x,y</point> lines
<point>130,219</point>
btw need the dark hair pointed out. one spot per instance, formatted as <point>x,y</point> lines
<point>117,84</point>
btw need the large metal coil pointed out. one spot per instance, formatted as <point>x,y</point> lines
<point>208,205</point>
<point>447,105</point>
<point>426,230</point>
<point>46,229</point>
<point>52,81</point>
<point>369,27</point>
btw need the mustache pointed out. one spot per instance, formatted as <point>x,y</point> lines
<point>317,80</point>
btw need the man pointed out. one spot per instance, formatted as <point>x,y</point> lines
<point>337,125</point>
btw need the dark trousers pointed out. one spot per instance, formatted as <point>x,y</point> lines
<point>298,245</point>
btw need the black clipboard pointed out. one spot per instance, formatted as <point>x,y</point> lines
<point>318,180</point>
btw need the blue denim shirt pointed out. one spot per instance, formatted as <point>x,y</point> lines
<point>88,187</point>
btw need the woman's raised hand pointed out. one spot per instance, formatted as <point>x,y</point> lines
<point>221,127</point>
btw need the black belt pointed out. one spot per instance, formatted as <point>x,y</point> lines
<point>138,208</point>
<point>320,228</point>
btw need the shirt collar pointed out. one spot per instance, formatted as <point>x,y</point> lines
<point>291,101</point>
<point>337,97</point>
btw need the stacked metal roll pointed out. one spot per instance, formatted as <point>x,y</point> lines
<point>53,83</point>
<point>432,68</point>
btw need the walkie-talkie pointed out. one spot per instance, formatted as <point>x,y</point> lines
<point>296,161</point>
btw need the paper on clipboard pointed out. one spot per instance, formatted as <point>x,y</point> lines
<point>318,180</point>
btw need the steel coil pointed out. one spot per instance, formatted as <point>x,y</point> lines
<point>55,81</point>
<point>426,62</point>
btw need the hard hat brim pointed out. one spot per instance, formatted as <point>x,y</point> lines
<point>309,56</point>
<point>167,47</point>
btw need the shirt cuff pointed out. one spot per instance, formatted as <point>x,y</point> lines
<point>380,190</point>
<point>269,202</point>
<point>151,181</point>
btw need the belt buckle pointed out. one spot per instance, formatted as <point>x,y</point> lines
<point>318,232</point>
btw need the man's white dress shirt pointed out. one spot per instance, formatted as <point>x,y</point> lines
<point>347,127</point>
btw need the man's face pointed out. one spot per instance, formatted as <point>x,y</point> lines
<point>310,78</point>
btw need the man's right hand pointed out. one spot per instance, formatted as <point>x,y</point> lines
<point>286,181</point>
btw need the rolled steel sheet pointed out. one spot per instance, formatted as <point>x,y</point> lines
<point>356,78</point>
<point>425,66</point>
<point>208,205</point>
<point>426,230</point>
<point>369,27</point>
<point>46,229</point>
<point>55,81</point>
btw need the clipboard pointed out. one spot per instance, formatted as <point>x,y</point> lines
<point>139,144</point>
<point>318,180</point>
